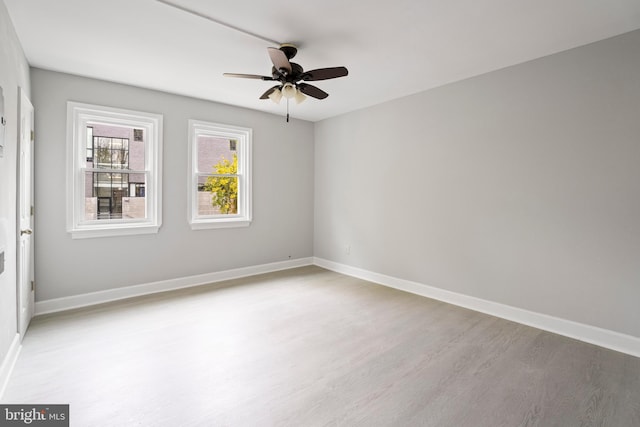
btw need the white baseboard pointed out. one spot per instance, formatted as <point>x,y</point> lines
<point>6,366</point>
<point>602,337</point>
<point>93,298</point>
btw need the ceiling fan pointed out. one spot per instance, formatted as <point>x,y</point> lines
<point>291,77</point>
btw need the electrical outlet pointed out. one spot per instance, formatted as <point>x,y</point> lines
<point>347,249</point>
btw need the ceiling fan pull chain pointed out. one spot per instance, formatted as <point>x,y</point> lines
<point>287,110</point>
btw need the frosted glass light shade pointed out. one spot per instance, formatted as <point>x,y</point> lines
<point>276,96</point>
<point>288,91</point>
<point>300,97</point>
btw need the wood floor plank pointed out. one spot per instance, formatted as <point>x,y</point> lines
<point>309,347</point>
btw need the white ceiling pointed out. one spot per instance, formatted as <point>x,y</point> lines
<point>391,48</point>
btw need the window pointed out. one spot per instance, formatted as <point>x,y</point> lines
<point>220,169</point>
<point>114,171</point>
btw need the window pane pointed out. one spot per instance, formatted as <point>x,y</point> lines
<point>114,195</point>
<point>114,147</point>
<point>217,195</point>
<point>216,154</point>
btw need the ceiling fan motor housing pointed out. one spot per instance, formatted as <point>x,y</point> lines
<point>289,50</point>
<point>294,76</point>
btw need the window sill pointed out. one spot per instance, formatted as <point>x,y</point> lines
<point>106,231</point>
<point>221,223</point>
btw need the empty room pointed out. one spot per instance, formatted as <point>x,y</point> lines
<point>410,213</point>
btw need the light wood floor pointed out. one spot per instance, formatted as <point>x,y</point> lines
<point>309,347</point>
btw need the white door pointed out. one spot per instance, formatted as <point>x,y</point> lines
<point>25,216</point>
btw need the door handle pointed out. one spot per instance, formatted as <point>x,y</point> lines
<point>27,231</point>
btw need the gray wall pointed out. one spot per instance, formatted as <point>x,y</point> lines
<point>282,194</point>
<point>521,186</point>
<point>14,73</point>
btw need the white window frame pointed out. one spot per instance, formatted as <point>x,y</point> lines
<point>243,136</point>
<point>79,116</point>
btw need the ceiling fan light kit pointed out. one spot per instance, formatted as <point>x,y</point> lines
<point>291,77</point>
<point>288,90</point>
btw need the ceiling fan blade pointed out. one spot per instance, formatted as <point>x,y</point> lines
<point>279,59</point>
<point>269,92</point>
<point>325,74</point>
<point>312,91</point>
<point>248,76</point>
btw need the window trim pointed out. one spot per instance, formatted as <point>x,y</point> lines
<point>79,116</point>
<point>244,138</point>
